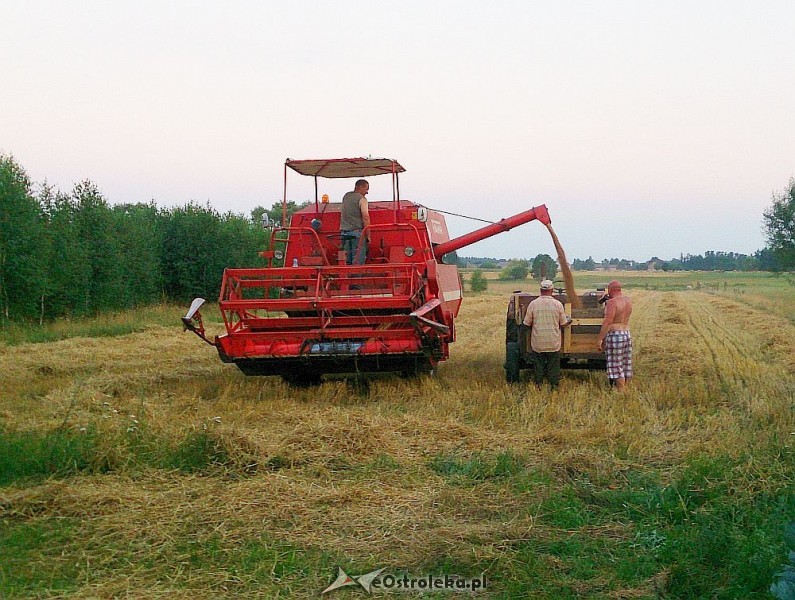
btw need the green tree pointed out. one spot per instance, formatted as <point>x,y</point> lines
<point>242,240</point>
<point>477,282</point>
<point>275,211</point>
<point>544,267</point>
<point>68,262</point>
<point>779,224</point>
<point>192,258</point>
<point>515,269</point>
<point>584,265</point>
<point>22,244</point>
<point>451,258</point>
<point>138,229</point>
<point>96,233</point>
<point>765,260</point>
<point>198,244</point>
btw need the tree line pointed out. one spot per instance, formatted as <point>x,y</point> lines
<point>73,254</point>
<point>761,260</point>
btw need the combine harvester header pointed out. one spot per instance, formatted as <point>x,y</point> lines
<point>319,315</point>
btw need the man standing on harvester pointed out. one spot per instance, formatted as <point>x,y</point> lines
<point>354,218</point>
<point>545,316</point>
<point>614,336</point>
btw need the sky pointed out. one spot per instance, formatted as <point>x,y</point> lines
<point>646,128</point>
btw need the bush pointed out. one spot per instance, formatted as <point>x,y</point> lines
<point>478,283</point>
<point>516,269</point>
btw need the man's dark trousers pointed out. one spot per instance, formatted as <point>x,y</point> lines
<point>546,364</point>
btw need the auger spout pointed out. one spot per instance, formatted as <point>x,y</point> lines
<point>539,212</point>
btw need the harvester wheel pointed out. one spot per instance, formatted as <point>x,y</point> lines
<point>301,379</point>
<point>425,372</point>
<point>418,369</point>
<point>512,358</point>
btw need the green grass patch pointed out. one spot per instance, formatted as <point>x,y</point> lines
<point>256,561</point>
<point>714,536</point>
<point>32,455</point>
<point>577,565</point>
<point>196,452</point>
<point>33,563</point>
<point>566,510</point>
<point>477,467</point>
<point>110,324</point>
<point>52,557</point>
<point>714,529</point>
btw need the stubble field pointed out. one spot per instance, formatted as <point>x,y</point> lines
<point>138,465</point>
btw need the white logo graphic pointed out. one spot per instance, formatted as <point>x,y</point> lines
<point>343,580</point>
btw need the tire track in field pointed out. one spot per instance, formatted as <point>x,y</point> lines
<point>757,342</point>
<point>698,325</point>
<point>645,313</point>
<point>768,337</point>
<point>674,343</point>
<point>708,309</point>
<point>724,343</point>
<point>663,346</point>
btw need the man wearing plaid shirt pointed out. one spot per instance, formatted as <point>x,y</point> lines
<point>545,316</point>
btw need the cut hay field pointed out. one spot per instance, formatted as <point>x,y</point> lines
<point>137,465</point>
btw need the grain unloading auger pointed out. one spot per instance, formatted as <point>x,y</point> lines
<point>319,315</point>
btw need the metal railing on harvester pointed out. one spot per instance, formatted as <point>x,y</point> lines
<point>329,302</point>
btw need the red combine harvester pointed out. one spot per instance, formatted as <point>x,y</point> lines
<point>318,315</point>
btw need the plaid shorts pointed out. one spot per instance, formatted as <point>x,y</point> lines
<point>618,348</point>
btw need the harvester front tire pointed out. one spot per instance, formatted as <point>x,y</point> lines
<point>512,360</point>
<point>301,379</point>
<point>418,369</point>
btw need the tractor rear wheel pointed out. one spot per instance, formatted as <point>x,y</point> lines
<point>512,362</point>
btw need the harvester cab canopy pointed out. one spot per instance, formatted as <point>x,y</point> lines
<point>335,168</point>
<point>342,168</point>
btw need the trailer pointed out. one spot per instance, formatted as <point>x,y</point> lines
<point>579,343</point>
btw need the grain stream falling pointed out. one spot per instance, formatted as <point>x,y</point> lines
<point>568,277</point>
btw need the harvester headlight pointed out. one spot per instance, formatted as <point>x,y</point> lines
<point>408,251</point>
<point>278,254</point>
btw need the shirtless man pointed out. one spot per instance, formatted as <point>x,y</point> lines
<point>614,336</point>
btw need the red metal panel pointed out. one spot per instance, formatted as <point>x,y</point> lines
<point>449,287</point>
<point>286,346</point>
<point>437,228</point>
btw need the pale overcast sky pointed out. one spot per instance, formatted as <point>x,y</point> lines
<point>647,128</point>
